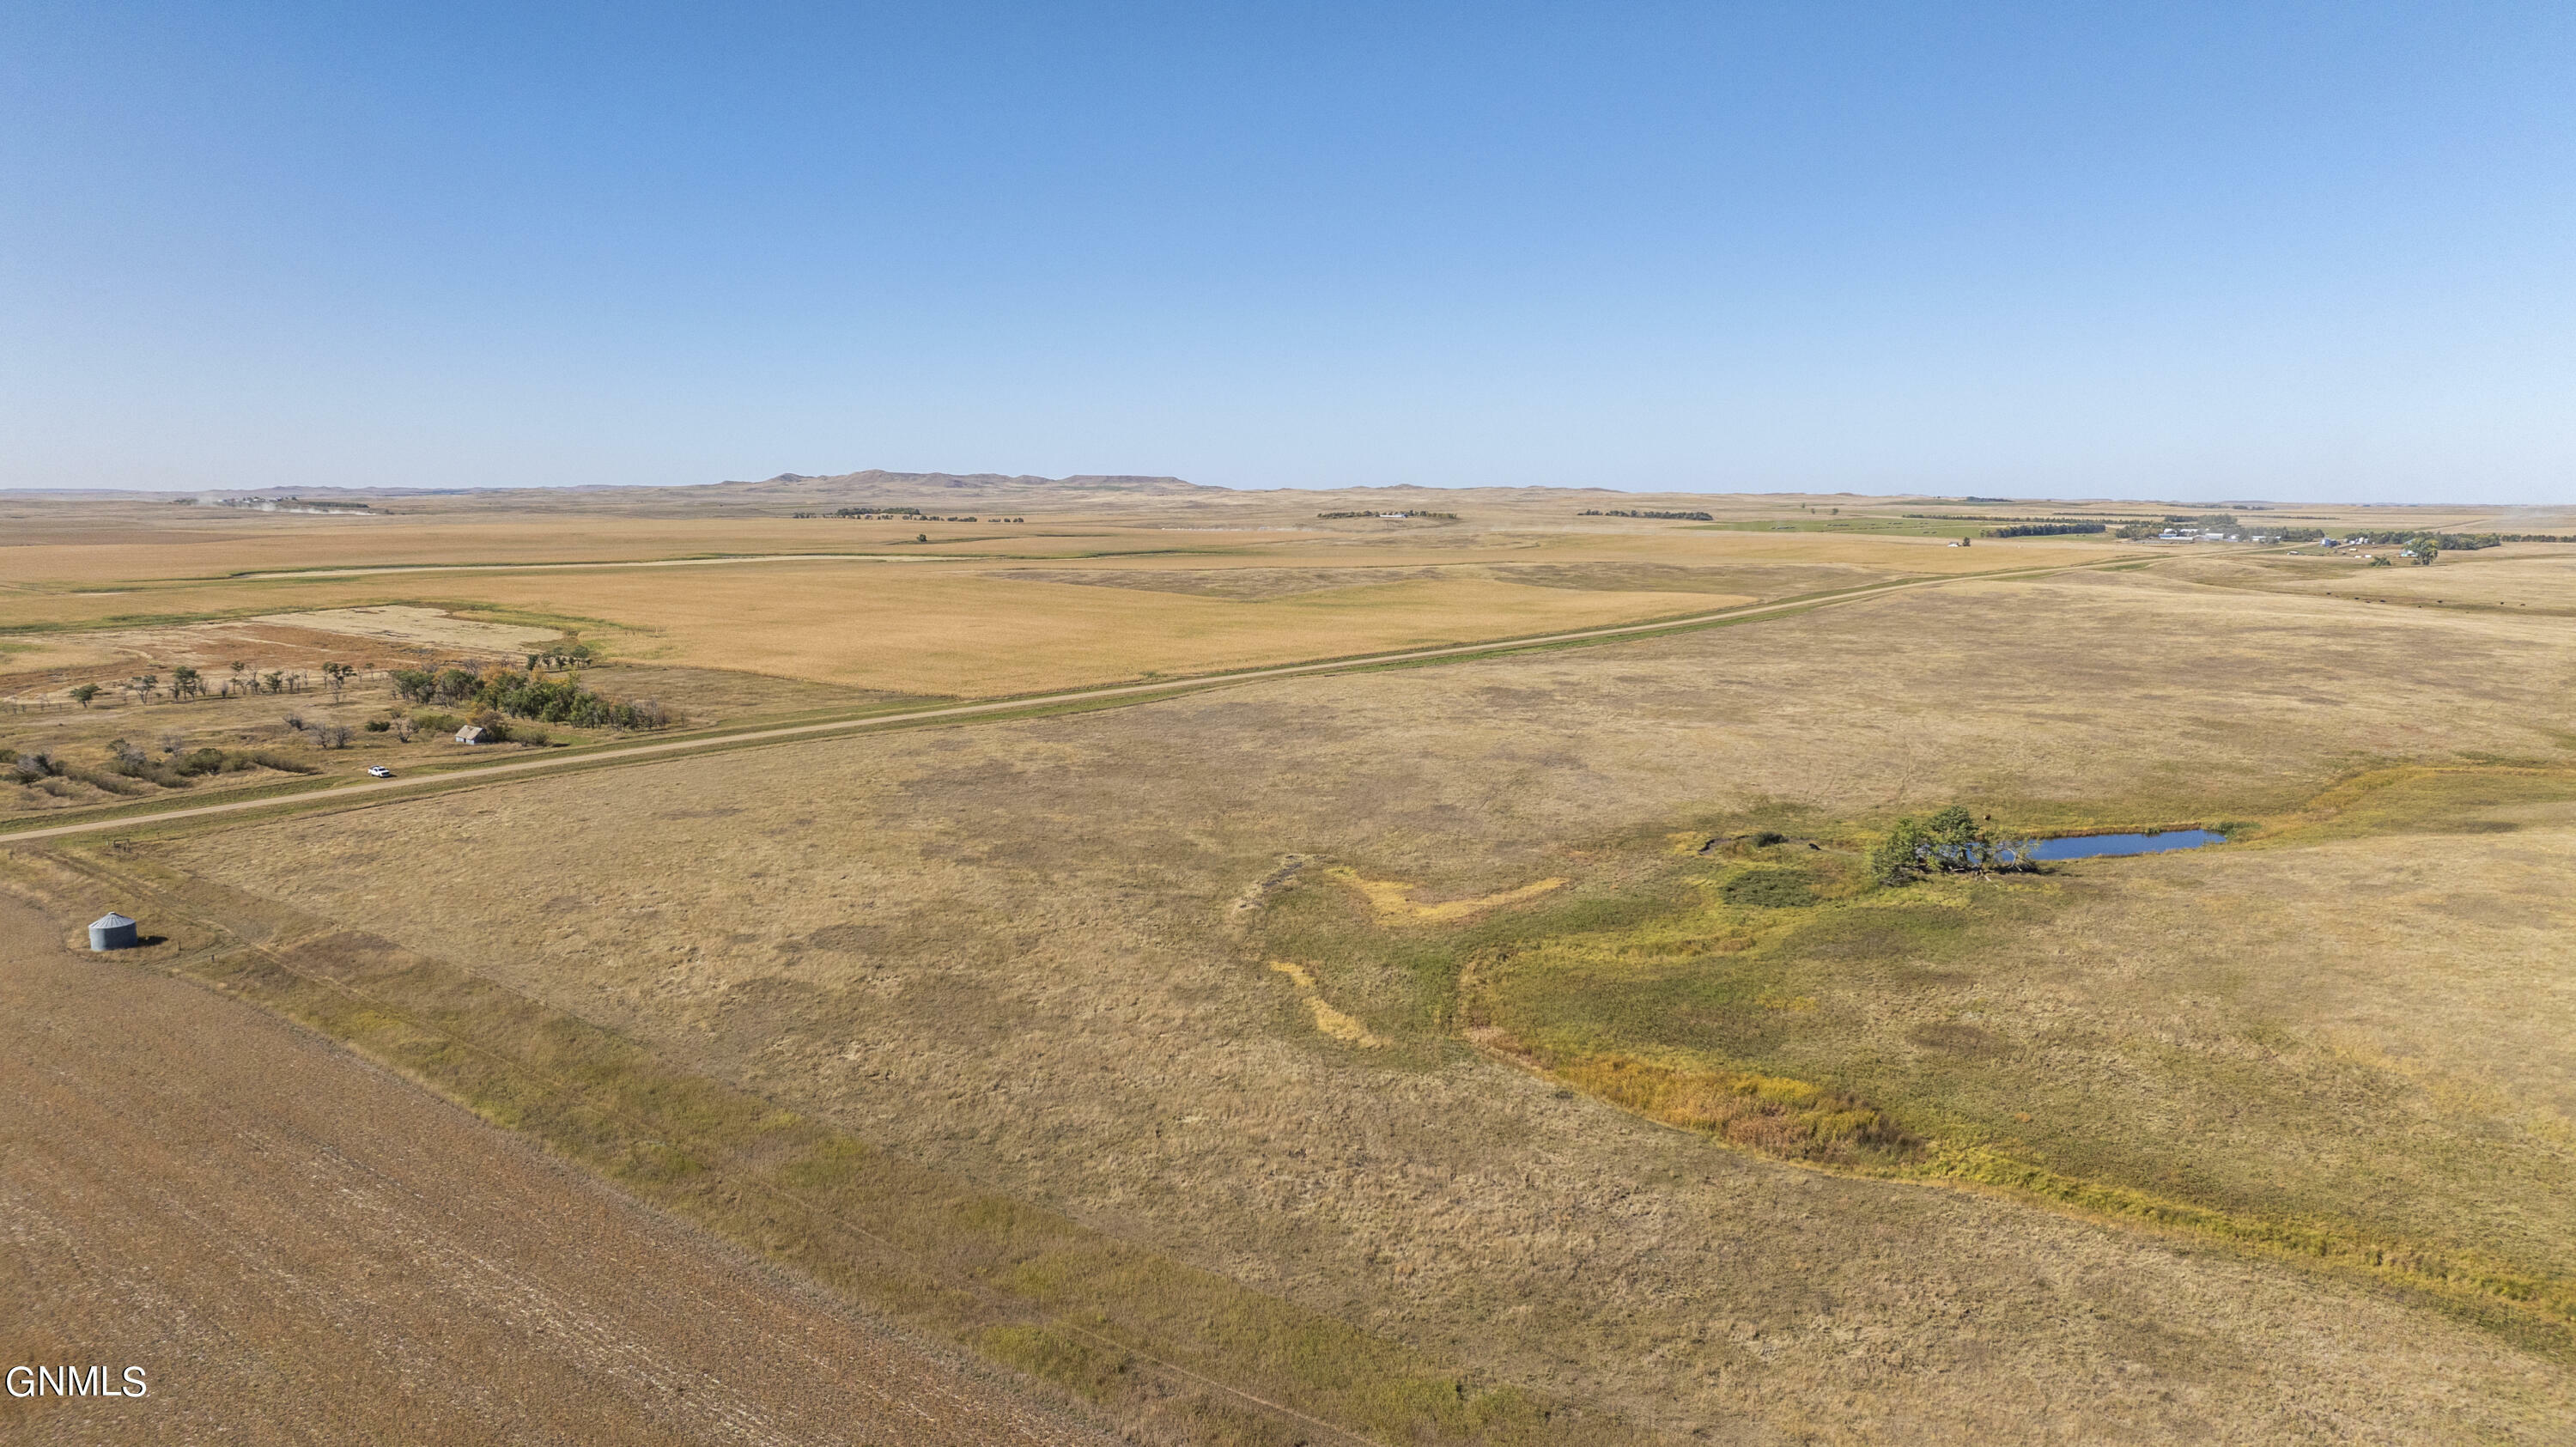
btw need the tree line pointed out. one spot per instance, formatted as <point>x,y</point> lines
<point>2044,530</point>
<point>529,696</point>
<point>1628,512</point>
<point>187,683</point>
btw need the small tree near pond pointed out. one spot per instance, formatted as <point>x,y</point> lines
<point>1950,842</point>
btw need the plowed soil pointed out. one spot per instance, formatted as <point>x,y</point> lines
<point>298,1247</point>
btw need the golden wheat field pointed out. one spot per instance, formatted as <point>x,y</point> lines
<point>996,614</point>
<point>1518,1048</point>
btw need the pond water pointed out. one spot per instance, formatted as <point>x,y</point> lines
<point>2088,846</point>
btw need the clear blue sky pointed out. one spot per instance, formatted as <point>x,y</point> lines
<point>2175,250</point>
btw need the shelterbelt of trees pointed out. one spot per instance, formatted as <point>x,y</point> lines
<point>527,695</point>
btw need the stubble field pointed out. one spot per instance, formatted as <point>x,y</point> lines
<point>295,1247</point>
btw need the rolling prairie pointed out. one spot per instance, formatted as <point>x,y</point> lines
<point>1038,955</point>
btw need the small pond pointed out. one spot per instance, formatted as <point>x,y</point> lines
<point>2088,846</point>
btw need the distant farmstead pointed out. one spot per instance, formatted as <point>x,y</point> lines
<point>470,734</point>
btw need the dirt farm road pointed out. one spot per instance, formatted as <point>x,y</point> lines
<point>296,1246</point>
<point>344,793</point>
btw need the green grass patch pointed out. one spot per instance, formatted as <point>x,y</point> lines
<point>1771,996</point>
<point>1770,889</point>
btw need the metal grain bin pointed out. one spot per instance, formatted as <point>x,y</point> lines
<point>112,932</point>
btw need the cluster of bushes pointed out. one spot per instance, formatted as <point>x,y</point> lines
<point>2045,530</point>
<point>56,776</point>
<point>1627,512</point>
<point>1411,512</point>
<point>1950,842</point>
<point>565,655</point>
<point>507,691</point>
<point>176,769</point>
<point>129,767</point>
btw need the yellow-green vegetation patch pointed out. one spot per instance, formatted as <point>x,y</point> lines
<point>2426,799</point>
<point>2142,1039</point>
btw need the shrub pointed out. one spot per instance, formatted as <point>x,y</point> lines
<point>267,759</point>
<point>379,725</point>
<point>114,783</point>
<point>436,722</point>
<point>179,771</point>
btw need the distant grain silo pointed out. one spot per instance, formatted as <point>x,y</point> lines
<point>112,932</point>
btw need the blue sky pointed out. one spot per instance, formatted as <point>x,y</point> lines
<point>2175,250</point>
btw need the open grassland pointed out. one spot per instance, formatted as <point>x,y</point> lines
<point>2517,577</point>
<point>2346,1039</point>
<point>1042,957</point>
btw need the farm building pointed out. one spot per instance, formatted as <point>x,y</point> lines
<point>112,932</point>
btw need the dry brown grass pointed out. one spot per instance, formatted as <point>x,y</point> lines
<point>1063,959</point>
<point>1013,952</point>
<point>2534,577</point>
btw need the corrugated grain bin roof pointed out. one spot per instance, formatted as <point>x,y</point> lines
<point>110,921</point>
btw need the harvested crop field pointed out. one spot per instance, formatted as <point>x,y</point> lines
<point>935,632</point>
<point>297,1247</point>
<point>1015,953</point>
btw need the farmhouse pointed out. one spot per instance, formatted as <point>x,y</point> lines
<point>470,734</point>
